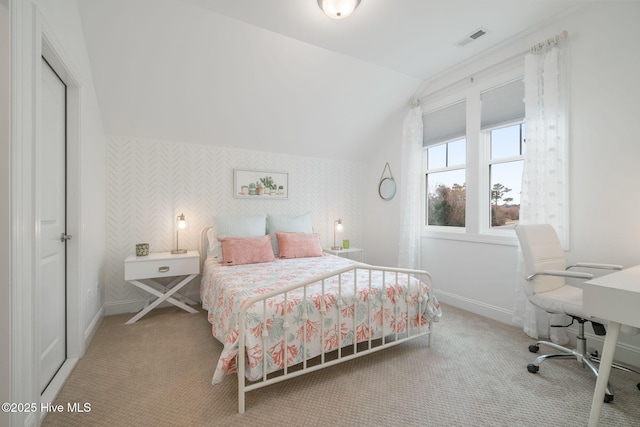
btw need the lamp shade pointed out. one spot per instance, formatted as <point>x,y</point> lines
<point>181,225</point>
<point>337,226</point>
<point>338,9</point>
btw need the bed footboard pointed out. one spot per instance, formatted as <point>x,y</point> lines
<point>333,318</point>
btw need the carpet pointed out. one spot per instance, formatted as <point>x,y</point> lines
<point>157,372</point>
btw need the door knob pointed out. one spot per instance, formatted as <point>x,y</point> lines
<point>65,237</point>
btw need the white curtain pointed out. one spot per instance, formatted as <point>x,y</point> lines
<point>410,196</point>
<point>544,196</point>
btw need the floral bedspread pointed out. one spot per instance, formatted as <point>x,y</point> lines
<point>325,319</point>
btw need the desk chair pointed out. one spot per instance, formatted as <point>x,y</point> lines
<point>545,287</point>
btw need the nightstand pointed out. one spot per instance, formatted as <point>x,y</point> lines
<point>184,267</point>
<point>351,253</point>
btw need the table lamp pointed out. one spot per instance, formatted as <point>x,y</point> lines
<point>182,224</point>
<point>337,225</point>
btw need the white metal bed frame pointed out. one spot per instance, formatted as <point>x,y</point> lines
<point>391,339</point>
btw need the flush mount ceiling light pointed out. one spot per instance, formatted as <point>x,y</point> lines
<point>338,9</point>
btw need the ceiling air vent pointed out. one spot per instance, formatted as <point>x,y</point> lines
<point>471,37</point>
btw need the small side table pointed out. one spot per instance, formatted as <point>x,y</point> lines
<point>184,267</point>
<point>351,253</point>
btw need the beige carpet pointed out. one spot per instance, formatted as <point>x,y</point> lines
<point>157,372</point>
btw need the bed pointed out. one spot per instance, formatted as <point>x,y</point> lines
<point>297,312</point>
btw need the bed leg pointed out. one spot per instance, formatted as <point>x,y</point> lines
<point>430,334</point>
<point>241,403</point>
<point>241,391</point>
<point>241,384</point>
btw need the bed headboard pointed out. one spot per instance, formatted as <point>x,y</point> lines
<point>204,245</point>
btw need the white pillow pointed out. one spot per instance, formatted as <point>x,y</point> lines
<point>286,223</point>
<point>233,227</point>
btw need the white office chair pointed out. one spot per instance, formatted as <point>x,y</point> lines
<point>546,271</point>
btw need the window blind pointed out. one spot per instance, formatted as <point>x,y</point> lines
<point>502,105</point>
<point>445,124</point>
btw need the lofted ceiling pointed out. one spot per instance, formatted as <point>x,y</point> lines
<point>279,75</point>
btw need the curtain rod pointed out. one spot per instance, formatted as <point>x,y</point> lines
<point>549,42</point>
<point>533,49</point>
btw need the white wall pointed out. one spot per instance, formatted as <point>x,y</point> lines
<point>150,182</point>
<point>58,22</point>
<point>605,147</point>
<point>382,216</point>
<point>5,208</point>
<point>604,170</point>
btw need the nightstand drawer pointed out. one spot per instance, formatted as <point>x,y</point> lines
<point>161,265</point>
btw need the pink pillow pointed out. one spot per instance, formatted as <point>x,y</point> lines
<point>299,245</point>
<point>246,250</point>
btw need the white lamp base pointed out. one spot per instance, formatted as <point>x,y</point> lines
<point>179,251</point>
<point>336,248</point>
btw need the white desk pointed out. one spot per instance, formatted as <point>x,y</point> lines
<point>616,298</point>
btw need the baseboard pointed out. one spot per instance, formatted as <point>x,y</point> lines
<point>626,354</point>
<point>135,305</point>
<point>93,327</point>
<point>477,307</point>
<point>51,392</point>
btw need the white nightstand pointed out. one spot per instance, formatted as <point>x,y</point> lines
<point>351,253</point>
<point>184,267</point>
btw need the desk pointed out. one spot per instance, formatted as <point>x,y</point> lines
<point>614,297</point>
<point>184,267</point>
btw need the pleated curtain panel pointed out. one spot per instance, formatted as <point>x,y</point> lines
<point>410,195</point>
<point>544,197</point>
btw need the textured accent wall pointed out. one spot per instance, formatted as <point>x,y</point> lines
<point>150,182</point>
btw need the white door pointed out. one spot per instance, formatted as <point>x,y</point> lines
<point>51,215</point>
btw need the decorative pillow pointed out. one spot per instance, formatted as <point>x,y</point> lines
<point>246,250</point>
<point>275,223</point>
<point>299,245</point>
<point>234,227</point>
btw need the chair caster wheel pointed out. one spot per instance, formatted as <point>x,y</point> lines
<point>534,348</point>
<point>533,368</point>
<point>608,398</point>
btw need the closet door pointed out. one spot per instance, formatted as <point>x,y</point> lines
<point>51,220</point>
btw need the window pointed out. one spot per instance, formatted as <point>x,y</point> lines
<point>445,157</point>
<point>502,133</point>
<point>507,146</point>
<point>446,192</point>
<point>473,158</point>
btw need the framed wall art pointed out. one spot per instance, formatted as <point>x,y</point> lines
<point>251,184</point>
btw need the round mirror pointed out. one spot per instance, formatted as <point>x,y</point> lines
<point>387,188</point>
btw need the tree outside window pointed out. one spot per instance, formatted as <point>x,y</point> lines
<point>505,169</point>
<point>445,179</point>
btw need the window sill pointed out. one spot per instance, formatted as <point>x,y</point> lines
<point>495,238</point>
